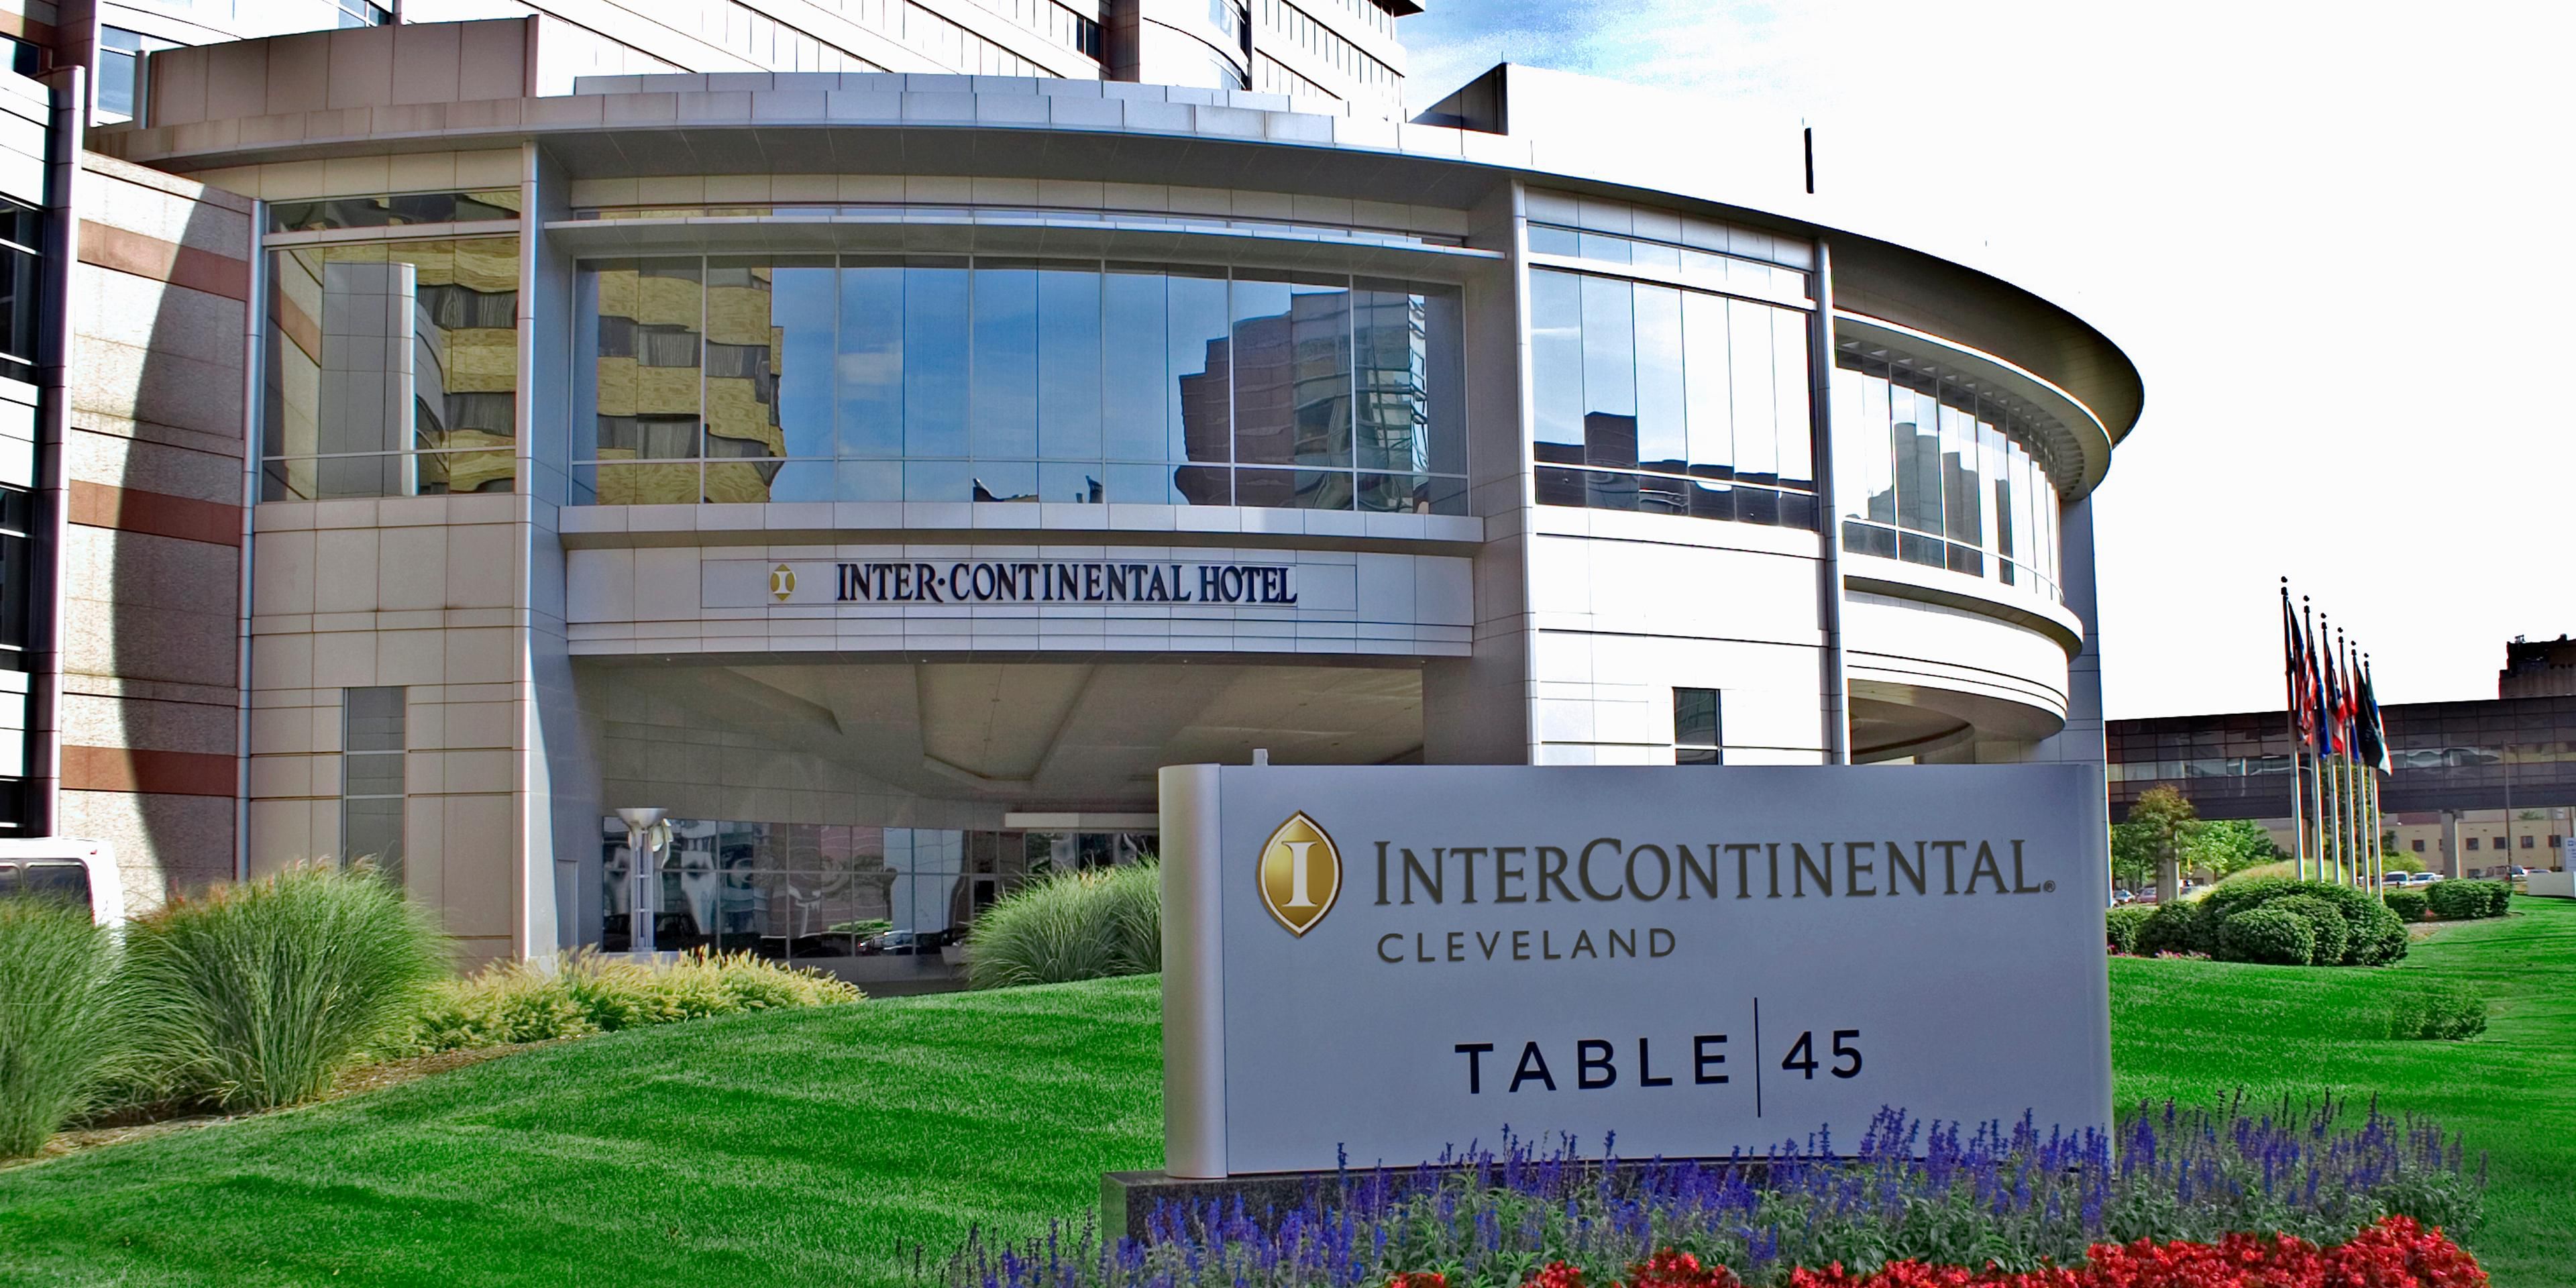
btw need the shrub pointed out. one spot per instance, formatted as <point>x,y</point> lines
<point>62,1018</point>
<point>2123,924</point>
<point>2409,905</point>
<point>2375,935</point>
<point>1073,925</point>
<point>2169,929</point>
<point>2334,934</point>
<point>255,995</point>
<point>582,993</point>
<point>2468,900</point>
<point>2436,1014</point>
<point>2271,936</point>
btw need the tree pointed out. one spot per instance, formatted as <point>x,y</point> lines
<point>2161,822</point>
<point>2228,846</point>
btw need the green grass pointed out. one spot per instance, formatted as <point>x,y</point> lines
<point>806,1148</point>
<point>788,1148</point>
<point>2190,1029</point>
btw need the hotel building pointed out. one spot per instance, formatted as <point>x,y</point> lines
<point>882,433</point>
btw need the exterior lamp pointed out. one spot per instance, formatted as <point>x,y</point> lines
<point>646,834</point>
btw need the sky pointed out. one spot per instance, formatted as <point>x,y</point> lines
<point>2325,233</point>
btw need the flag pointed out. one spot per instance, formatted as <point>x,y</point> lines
<point>2332,713</point>
<point>2294,649</point>
<point>2374,744</point>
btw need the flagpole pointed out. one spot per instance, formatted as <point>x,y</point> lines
<point>2317,751</point>
<point>2290,715</point>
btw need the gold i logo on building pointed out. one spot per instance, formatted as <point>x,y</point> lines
<point>782,583</point>
<point>1301,873</point>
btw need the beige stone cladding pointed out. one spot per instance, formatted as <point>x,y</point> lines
<point>409,592</point>
<point>152,464</point>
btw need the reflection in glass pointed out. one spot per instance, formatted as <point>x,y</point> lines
<point>935,347</point>
<point>1941,474</point>
<point>999,380</point>
<point>1650,386</point>
<point>868,371</point>
<point>904,896</point>
<point>380,353</point>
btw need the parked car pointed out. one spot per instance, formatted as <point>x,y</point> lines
<point>2422,878</point>
<point>81,872</point>
<point>2394,878</point>
<point>2119,897</point>
<point>892,943</point>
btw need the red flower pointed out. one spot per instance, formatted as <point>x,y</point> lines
<point>1556,1274</point>
<point>1675,1269</point>
<point>1419,1279</point>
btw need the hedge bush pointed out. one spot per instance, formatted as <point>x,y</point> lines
<point>63,1018</point>
<point>1089,924</point>
<point>582,993</point>
<point>255,995</point>
<point>2171,928</point>
<point>2122,925</point>
<point>2409,905</point>
<point>2271,936</point>
<point>2375,936</point>
<point>2468,900</point>
<point>2333,933</point>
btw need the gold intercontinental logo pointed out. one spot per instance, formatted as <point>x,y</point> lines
<point>1301,873</point>
<point>782,583</point>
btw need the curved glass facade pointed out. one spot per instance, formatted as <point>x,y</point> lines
<point>922,378</point>
<point>1665,399</point>
<point>1934,472</point>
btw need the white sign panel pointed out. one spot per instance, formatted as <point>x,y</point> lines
<point>1394,961</point>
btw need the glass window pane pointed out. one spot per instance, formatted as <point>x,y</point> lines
<point>1709,391</point>
<point>741,362</point>
<point>1138,369</point>
<point>629,483</point>
<point>1263,387</point>
<point>1695,718</point>
<point>1609,374</point>
<point>1959,492</point>
<point>1199,392</point>
<point>1069,365</point>
<point>935,368</point>
<point>1445,380</point>
<point>1005,361</point>
<point>1793,421</point>
<point>1757,451</point>
<point>803,315</point>
<point>938,481</point>
<point>1392,347</point>
<point>868,364</point>
<point>1556,365</point>
<point>1662,439</point>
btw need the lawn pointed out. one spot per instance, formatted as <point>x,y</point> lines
<point>801,1148</point>
<point>2188,1029</point>
<point>822,1147</point>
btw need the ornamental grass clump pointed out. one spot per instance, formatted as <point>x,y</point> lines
<point>1089,924</point>
<point>582,993</point>
<point>63,1018</point>
<point>2013,1199</point>
<point>256,995</point>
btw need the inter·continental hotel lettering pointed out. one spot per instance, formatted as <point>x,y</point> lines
<point>1085,582</point>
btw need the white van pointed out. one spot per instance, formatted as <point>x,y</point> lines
<point>65,868</point>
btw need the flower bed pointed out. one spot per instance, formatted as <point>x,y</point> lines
<point>1916,1204</point>
<point>2394,1253</point>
